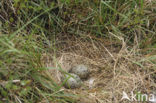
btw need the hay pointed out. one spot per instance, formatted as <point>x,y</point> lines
<point>113,68</point>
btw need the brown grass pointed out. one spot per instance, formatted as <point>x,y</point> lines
<point>114,67</point>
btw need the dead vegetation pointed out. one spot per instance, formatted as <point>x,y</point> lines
<point>115,38</point>
<point>113,69</point>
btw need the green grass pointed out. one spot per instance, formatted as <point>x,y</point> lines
<point>21,60</point>
<point>29,28</point>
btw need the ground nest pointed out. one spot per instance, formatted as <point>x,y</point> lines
<point>113,69</point>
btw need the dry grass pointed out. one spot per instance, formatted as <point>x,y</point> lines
<point>113,68</point>
<point>125,61</point>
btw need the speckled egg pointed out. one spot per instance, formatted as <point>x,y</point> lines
<point>73,81</point>
<point>80,70</point>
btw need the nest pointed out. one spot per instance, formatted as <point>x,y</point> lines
<point>113,67</point>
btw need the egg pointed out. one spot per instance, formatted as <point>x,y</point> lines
<point>72,81</point>
<point>80,70</point>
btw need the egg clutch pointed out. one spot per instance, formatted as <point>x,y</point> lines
<point>73,79</point>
